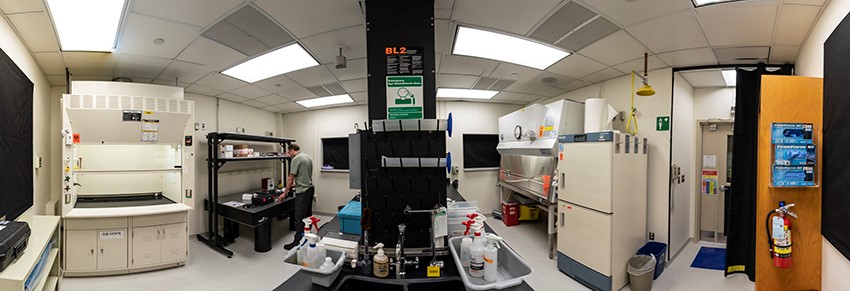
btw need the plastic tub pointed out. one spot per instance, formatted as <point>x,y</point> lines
<point>512,268</point>
<point>324,279</point>
<point>658,250</point>
<point>349,218</point>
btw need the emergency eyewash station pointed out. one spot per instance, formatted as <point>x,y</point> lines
<point>127,177</point>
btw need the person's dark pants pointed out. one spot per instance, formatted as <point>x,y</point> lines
<point>303,209</point>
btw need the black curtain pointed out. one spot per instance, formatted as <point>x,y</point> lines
<point>836,138</point>
<point>16,158</point>
<point>741,234</point>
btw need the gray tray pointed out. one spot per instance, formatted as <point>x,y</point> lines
<point>319,278</point>
<point>512,268</point>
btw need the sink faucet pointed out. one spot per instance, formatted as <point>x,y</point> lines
<point>400,260</point>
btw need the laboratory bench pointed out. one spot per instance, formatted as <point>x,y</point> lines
<point>415,279</point>
<point>258,217</point>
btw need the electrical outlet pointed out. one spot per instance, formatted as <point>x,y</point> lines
<point>651,236</point>
<point>240,130</point>
<point>269,133</point>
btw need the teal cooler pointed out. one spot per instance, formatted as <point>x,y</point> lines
<point>349,218</point>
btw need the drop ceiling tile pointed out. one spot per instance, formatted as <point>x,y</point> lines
<point>298,94</point>
<point>20,6</point>
<point>442,13</point>
<point>506,71</point>
<point>517,17</point>
<point>783,54</point>
<point>564,20</point>
<point>250,92</point>
<point>806,2</point>
<point>794,23</point>
<point>589,33</point>
<point>272,99</point>
<point>322,45</point>
<point>629,12</point>
<point>203,90</point>
<point>50,63</point>
<point>703,79</point>
<point>443,36</point>
<point>603,75</point>
<point>733,25</point>
<point>232,97</point>
<point>277,84</point>
<point>212,54</point>
<point>306,18</point>
<point>614,49</point>
<point>355,69</point>
<point>140,66</point>
<point>456,81</point>
<point>91,78</point>
<point>668,33</point>
<point>744,54</point>
<point>463,65</point>
<point>184,72</point>
<point>359,96</point>
<point>36,31</point>
<point>195,12</point>
<point>312,76</point>
<point>167,82</point>
<point>688,58</point>
<point>576,66</point>
<point>220,82</point>
<point>636,65</point>
<point>288,106</point>
<point>56,80</point>
<point>140,30</point>
<point>438,59</point>
<point>359,85</point>
<point>257,104</point>
<point>574,85</point>
<point>515,96</point>
<point>90,63</point>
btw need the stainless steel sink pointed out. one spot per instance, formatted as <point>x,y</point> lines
<point>357,282</point>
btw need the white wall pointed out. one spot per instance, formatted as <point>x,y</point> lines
<point>683,153</point>
<point>810,63</point>
<point>307,128</point>
<point>17,51</point>
<point>482,118</point>
<point>713,103</point>
<point>617,91</point>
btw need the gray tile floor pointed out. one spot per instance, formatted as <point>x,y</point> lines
<point>248,270</point>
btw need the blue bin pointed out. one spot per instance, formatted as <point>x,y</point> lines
<point>349,218</point>
<point>658,250</point>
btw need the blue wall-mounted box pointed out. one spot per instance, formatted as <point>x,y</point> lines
<point>791,133</point>
<point>793,176</point>
<point>795,155</point>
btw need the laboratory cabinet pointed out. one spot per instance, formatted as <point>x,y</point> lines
<point>159,244</point>
<point>96,249</point>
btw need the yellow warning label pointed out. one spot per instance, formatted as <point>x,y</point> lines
<point>736,268</point>
<point>433,271</point>
<point>148,112</point>
<point>549,128</point>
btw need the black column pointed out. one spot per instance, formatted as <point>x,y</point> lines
<point>394,29</point>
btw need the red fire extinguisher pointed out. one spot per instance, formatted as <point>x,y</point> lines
<point>779,235</point>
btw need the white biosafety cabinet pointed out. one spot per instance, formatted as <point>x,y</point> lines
<point>127,177</point>
<point>601,207</point>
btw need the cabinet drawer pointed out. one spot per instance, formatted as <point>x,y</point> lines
<point>96,223</point>
<point>159,219</point>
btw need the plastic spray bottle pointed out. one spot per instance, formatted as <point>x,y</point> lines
<point>380,263</point>
<point>302,249</point>
<point>476,256</point>
<point>491,257</point>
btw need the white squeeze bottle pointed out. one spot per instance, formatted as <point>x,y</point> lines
<point>302,245</point>
<point>465,243</point>
<point>312,254</point>
<point>321,252</point>
<point>476,257</point>
<point>491,258</point>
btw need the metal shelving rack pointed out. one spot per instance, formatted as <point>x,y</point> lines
<point>214,163</point>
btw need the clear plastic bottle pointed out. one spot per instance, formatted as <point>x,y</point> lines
<point>465,243</point>
<point>491,258</point>
<point>476,257</point>
<point>327,266</point>
<point>321,253</point>
<point>311,255</point>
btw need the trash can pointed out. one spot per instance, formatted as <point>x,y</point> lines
<point>641,268</point>
<point>658,250</point>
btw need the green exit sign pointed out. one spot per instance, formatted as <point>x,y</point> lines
<point>662,123</point>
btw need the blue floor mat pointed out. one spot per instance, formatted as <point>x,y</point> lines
<point>710,258</point>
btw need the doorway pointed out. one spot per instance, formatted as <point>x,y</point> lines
<point>715,178</point>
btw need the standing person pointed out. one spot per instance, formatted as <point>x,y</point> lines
<point>301,179</point>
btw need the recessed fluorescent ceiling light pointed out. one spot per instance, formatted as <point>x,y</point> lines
<point>465,93</point>
<point>322,101</point>
<point>89,25</point>
<point>500,47</point>
<point>698,3</point>
<point>281,61</point>
<point>731,77</point>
